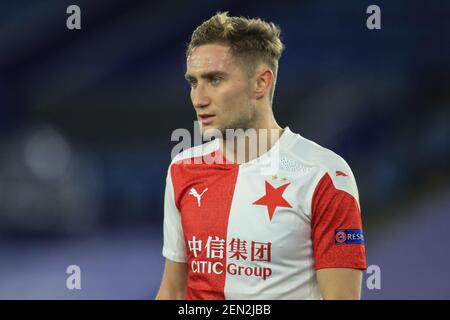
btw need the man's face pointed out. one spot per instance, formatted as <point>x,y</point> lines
<point>220,89</point>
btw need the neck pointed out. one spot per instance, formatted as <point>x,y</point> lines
<point>247,145</point>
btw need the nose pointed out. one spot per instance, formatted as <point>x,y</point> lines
<point>199,97</point>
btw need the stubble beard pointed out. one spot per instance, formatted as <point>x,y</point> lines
<point>246,120</point>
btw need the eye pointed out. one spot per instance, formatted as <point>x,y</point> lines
<point>192,83</point>
<point>215,81</point>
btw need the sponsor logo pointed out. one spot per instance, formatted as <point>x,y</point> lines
<point>245,258</point>
<point>341,174</point>
<point>194,193</point>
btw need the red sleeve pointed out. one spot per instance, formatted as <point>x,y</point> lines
<point>335,218</point>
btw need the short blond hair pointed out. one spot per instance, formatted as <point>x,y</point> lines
<point>252,41</point>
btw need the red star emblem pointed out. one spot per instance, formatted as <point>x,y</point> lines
<point>273,199</point>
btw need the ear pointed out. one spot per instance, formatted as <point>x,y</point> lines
<point>264,81</point>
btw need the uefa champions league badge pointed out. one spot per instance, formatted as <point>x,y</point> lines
<point>349,236</point>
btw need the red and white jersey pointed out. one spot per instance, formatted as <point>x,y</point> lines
<point>245,234</point>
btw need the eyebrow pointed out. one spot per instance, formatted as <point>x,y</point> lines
<point>206,75</point>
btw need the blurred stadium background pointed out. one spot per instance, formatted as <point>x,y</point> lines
<point>86,118</point>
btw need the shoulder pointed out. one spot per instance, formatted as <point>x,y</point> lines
<point>189,155</point>
<point>187,158</point>
<point>325,163</point>
<point>312,154</point>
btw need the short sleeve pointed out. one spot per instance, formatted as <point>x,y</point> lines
<point>336,224</point>
<point>174,247</point>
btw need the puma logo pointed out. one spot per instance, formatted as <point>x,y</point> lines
<point>194,193</point>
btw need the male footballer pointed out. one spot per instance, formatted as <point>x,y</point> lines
<point>233,230</point>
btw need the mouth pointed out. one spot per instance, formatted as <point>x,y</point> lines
<point>206,118</point>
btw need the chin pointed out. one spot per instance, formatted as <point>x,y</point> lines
<point>211,131</point>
